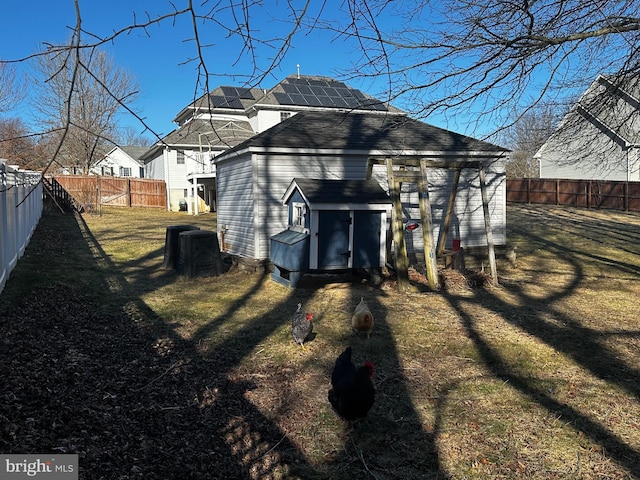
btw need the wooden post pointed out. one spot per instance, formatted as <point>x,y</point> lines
<point>427,227</point>
<point>401,259</point>
<point>626,196</point>
<point>369,169</point>
<point>487,225</point>
<point>447,219</point>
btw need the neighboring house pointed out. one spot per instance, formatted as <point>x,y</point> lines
<point>599,139</point>
<point>121,162</point>
<point>253,176</point>
<point>228,116</point>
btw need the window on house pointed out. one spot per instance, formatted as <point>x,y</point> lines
<point>299,215</point>
<point>125,171</point>
<point>284,115</point>
<point>180,157</point>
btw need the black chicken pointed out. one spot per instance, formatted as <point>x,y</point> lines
<point>352,393</point>
<point>301,326</point>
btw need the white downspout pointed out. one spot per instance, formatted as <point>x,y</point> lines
<point>195,195</point>
<point>165,158</point>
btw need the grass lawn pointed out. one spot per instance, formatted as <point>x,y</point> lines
<point>147,374</point>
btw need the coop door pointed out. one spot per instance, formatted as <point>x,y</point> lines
<point>366,239</point>
<point>333,239</point>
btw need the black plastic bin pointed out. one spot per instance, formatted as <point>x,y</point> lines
<point>199,254</point>
<point>171,244</point>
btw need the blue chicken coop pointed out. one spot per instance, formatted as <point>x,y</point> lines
<point>333,225</point>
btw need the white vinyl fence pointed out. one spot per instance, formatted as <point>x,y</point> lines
<point>20,211</point>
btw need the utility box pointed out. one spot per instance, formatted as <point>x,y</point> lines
<point>171,243</point>
<point>199,254</point>
<point>333,225</point>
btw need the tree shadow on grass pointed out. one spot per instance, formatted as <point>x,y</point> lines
<point>127,393</point>
<point>393,441</point>
<point>118,385</point>
<point>541,317</point>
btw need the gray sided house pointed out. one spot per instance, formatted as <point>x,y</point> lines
<point>599,138</point>
<point>227,116</point>
<point>253,177</point>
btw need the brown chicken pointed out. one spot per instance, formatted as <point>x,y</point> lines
<point>362,319</point>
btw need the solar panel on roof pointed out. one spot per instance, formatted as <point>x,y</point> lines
<point>340,102</point>
<point>283,98</point>
<point>245,94</point>
<point>238,92</point>
<point>314,101</point>
<point>326,101</point>
<point>289,88</point>
<point>298,99</point>
<point>225,102</point>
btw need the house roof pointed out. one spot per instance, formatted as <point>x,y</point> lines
<point>365,133</point>
<point>294,91</point>
<point>134,151</point>
<point>613,103</point>
<point>334,191</point>
<point>321,92</point>
<point>224,97</point>
<point>216,134</point>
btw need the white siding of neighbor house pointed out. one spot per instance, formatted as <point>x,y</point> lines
<point>154,168</point>
<point>115,160</point>
<point>264,119</point>
<point>587,154</point>
<point>235,202</point>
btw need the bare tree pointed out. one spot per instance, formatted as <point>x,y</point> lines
<point>527,134</point>
<point>19,146</point>
<point>452,57</point>
<point>484,57</point>
<point>79,101</point>
<point>11,92</point>
<point>132,136</point>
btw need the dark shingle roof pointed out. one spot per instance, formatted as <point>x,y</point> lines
<point>227,133</point>
<point>134,151</point>
<point>317,191</point>
<point>364,132</point>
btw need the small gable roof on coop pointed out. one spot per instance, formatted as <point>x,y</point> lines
<point>333,194</point>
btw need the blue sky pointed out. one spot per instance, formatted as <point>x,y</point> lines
<point>157,61</point>
<point>158,57</point>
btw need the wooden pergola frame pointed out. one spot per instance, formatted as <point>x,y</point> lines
<point>396,177</point>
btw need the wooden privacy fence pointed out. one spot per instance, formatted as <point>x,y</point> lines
<point>93,190</point>
<point>615,195</point>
